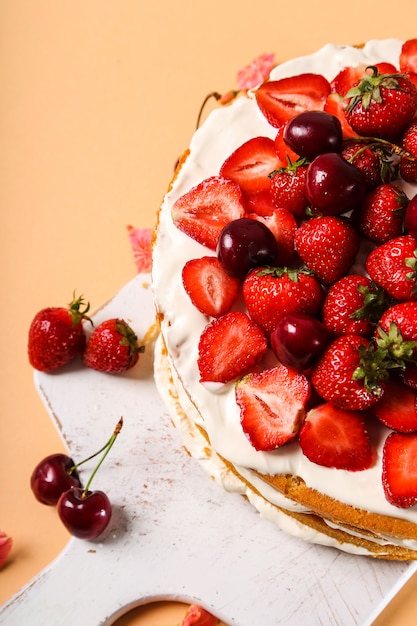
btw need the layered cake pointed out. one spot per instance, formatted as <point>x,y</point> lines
<point>281,386</point>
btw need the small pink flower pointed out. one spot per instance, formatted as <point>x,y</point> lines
<point>141,242</point>
<point>5,547</point>
<point>197,616</point>
<point>256,72</point>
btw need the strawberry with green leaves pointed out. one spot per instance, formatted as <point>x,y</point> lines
<point>112,347</point>
<point>349,375</point>
<point>353,304</point>
<point>380,216</point>
<point>288,187</point>
<point>203,211</point>
<point>399,469</point>
<point>229,347</point>
<point>328,246</point>
<point>57,336</point>
<point>272,292</point>
<point>209,287</point>
<point>272,406</point>
<point>381,105</point>
<point>373,159</point>
<point>336,438</point>
<point>393,266</point>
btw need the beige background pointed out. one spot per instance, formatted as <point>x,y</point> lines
<point>98,99</point>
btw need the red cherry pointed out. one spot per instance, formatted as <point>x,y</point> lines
<point>85,514</point>
<point>52,476</point>
<point>298,339</point>
<point>410,219</point>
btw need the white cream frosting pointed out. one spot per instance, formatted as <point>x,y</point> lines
<point>216,410</point>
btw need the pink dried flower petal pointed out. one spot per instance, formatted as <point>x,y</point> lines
<point>141,243</point>
<point>197,616</point>
<point>256,72</point>
<point>5,547</point>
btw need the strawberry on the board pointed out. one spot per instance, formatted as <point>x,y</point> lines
<point>272,292</point>
<point>283,226</point>
<point>210,288</point>
<point>57,336</point>
<point>229,347</point>
<point>328,246</point>
<point>399,469</point>
<point>348,374</point>
<point>353,304</point>
<point>381,105</point>
<point>251,163</point>
<point>393,265</point>
<point>203,211</point>
<point>408,56</point>
<point>280,100</point>
<point>397,408</point>
<point>288,187</point>
<point>336,438</point>
<point>112,347</point>
<point>272,406</point>
<point>380,215</point>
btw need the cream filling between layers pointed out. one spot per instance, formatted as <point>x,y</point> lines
<point>181,325</point>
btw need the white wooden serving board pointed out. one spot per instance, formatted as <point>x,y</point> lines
<point>175,534</point>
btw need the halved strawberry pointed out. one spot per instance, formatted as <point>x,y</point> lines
<point>335,106</point>
<point>399,469</point>
<point>204,210</point>
<point>284,153</point>
<point>408,56</point>
<point>336,438</point>
<point>280,100</point>
<point>229,347</point>
<point>210,289</point>
<point>397,408</point>
<point>251,163</point>
<point>272,406</point>
<point>283,226</point>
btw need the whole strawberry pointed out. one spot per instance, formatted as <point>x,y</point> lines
<point>408,158</point>
<point>393,266</point>
<point>373,160</point>
<point>113,347</point>
<point>56,335</point>
<point>381,105</point>
<point>380,216</point>
<point>328,246</point>
<point>349,374</point>
<point>288,187</point>
<point>272,292</point>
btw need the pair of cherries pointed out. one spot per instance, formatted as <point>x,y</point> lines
<point>56,481</point>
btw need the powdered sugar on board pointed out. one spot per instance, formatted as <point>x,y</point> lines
<point>175,534</point>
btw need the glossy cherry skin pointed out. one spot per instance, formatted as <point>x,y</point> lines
<point>51,477</point>
<point>333,185</point>
<point>297,340</point>
<point>85,515</point>
<point>410,219</point>
<point>245,243</point>
<point>312,133</point>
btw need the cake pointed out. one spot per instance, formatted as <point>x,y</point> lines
<point>348,509</point>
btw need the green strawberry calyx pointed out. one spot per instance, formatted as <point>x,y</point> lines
<point>369,88</point>
<point>128,337</point>
<point>78,310</point>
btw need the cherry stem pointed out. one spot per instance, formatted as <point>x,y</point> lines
<point>107,447</point>
<point>213,94</point>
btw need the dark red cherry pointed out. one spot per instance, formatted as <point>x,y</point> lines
<point>313,132</point>
<point>410,219</point>
<point>85,514</point>
<point>52,476</point>
<point>298,340</point>
<point>245,243</point>
<point>333,185</point>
